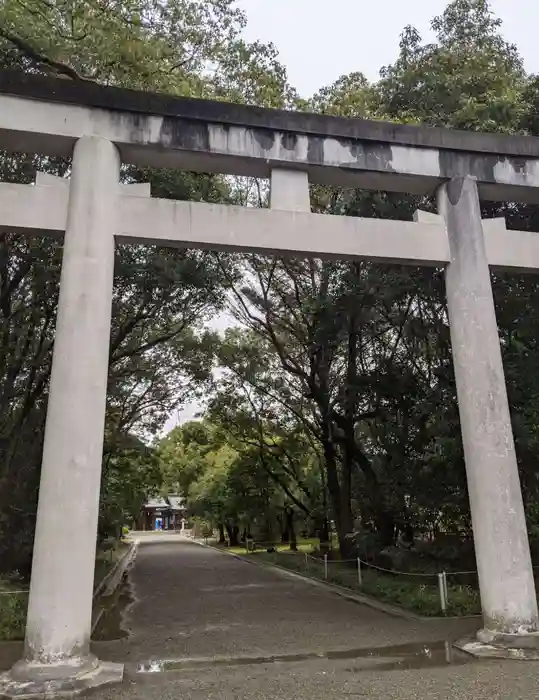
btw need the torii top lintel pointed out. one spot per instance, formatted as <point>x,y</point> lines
<point>47,115</point>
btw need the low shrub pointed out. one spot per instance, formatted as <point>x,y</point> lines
<point>13,607</point>
<point>415,593</point>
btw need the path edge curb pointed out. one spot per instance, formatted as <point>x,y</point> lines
<point>111,579</point>
<point>110,582</point>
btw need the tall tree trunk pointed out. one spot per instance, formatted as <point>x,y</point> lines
<point>346,540</point>
<point>222,537</point>
<point>342,507</point>
<point>233,532</point>
<point>323,530</point>
<point>289,515</point>
<point>385,525</point>
<point>285,530</point>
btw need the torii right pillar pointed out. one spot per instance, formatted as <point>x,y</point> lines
<point>509,603</point>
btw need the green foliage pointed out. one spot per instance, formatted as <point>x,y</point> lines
<point>13,606</point>
<point>222,483</point>
<point>185,47</point>
<point>107,556</point>
<point>131,471</point>
<point>470,78</point>
<point>419,595</point>
<point>422,598</point>
<point>138,42</point>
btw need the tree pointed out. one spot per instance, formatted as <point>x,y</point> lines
<point>260,416</point>
<point>222,484</point>
<point>131,471</point>
<point>470,78</point>
<point>185,47</point>
<point>140,43</point>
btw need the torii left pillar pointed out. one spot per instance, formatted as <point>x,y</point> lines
<point>57,658</point>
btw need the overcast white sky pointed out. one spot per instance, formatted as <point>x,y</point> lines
<point>320,40</point>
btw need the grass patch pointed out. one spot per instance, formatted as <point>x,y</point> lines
<point>107,557</point>
<point>414,593</point>
<point>304,545</point>
<point>13,604</point>
<point>422,598</point>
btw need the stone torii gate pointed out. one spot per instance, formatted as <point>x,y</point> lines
<point>103,127</point>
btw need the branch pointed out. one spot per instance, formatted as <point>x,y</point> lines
<point>32,53</point>
<point>55,27</point>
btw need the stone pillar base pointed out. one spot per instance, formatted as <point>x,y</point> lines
<point>37,685</point>
<point>493,645</point>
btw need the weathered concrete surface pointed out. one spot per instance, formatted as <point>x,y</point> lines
<point>57,646</point>
<point>60,602</point>
<point>90,94</point>
<point>289,190</point>
<point>48,116</point>
<point>101,673</point>
<point>501,543</point>
<point>288,228</point>
<point>40,208</point>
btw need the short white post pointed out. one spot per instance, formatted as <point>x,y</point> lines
<point>306,561</point>
<point>359,577</point>
<point>445,587</point>
<point>441,590</point>
<point>326,566</point>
